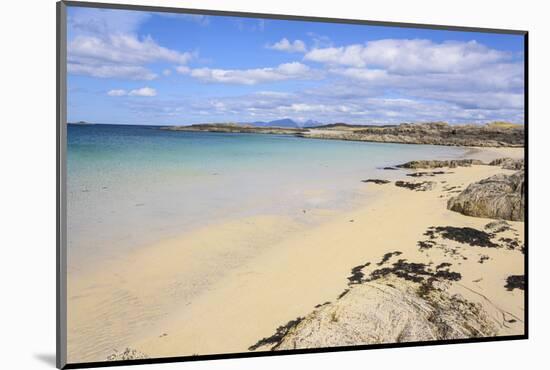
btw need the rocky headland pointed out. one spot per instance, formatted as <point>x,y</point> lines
<point>437,133</point>
<point>236,129</point>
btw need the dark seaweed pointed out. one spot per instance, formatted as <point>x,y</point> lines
<point>376,181</point>
<point>427,173</point>
<point>278,336</point>
<point>387,256</point>
<point>465,235</point>
<point>425,244</point>
<point>346,291</point>
<point>322,304</point>
<point>483,258</point>
<point>515,282</point>
<point>356,274</point>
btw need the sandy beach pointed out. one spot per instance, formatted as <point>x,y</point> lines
<point>224,287</point>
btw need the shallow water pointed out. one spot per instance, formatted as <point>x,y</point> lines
<point>131,185</point>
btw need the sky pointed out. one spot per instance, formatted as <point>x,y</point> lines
<point>134,67</point>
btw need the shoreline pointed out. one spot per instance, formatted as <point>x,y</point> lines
<point>498,135</point>
<point>295,270</point>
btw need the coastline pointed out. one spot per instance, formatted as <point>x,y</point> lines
<point>242,293</point>
<point>490,135</point>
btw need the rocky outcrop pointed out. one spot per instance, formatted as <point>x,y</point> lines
<point>235,128</point>
<point>499,197</point>
<point>416,186</point>
<point>425,164</point>
<point>390,309</point>
<point>437,133</point>
<point>508,163</point>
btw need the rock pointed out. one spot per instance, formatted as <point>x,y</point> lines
<point>386,310</point>
<point>376,181</point>
<point>424,164</point>
<point>127,354</point>
<point>416,186</point>
<point>499,197</point>
<point>498,226</point>
<point>435,133</point>
<point>508,163</point>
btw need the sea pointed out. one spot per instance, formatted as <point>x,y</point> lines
<point>129,186</point>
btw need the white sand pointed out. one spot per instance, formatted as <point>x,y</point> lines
<point>221,289</point>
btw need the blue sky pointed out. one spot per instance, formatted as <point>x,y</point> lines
<point>133,67</point>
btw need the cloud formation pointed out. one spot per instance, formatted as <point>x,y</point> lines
<point>105,44</point>
<point>378,81</point>
<point>144,91</point>
<point>296,46</point>
<point>409,56</point>
<point>285,71</point>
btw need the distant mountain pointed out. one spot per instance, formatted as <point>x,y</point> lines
<point>285,122</point>
<point>311,123</point>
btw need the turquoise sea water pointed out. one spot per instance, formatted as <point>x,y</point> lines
<point>131,185</point>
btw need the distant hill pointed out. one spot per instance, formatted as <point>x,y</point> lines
<point>311,123</point>
<point>285,122</point>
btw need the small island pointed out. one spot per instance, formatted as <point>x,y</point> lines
<point>80,123</point>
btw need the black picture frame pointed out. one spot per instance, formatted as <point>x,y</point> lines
<point>61,225</point>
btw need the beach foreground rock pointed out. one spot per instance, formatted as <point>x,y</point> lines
<point>424,164</point>
<point>387,310</point>
<point>508,163</point>
<point>499,197</point>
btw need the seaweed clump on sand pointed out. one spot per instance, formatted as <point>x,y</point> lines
<point>278,336</point>
<point>376,181</point>
<point>515,282</point>
<point>357,274</point>
<point>415,272</point>
<point>464,235</point>
<point>426,173</point>
<point>386,257</point>
<point>425,244</point>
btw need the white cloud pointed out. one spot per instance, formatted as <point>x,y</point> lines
<point>117,92</point>
<point>361,73</point>
<point>285,71</point>
<point>167,72</point>
<point>111,71</point>
<point>183,69</point>
<point>105,44</point>
<point>127,49</point>
<point>409,56</point>
<point>291,47</point>
<point>144,91</point>
<point>94,21</point>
